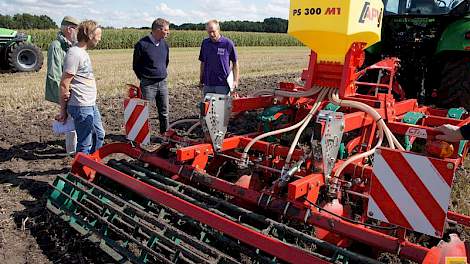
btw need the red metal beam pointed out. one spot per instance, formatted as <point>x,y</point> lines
<point>270,148</point>
<point>433,121</point>
<point>372,102</point>
<point>265,243</point>
<point>433,111</point>
<point>356,120</point>
<point>405,106</point>
<point>459,218</point>
<point>299,211</point>
<point>359,119</point>
<point>308,184</point>
<point>189,153</point>
<point>412,130</point>
<point>251,103</point>
<point>373,84</point>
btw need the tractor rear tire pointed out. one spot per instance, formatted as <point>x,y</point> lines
<point>454,90</point>
<point>25,57</point>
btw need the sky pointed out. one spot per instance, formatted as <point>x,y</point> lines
<point>139,13</point>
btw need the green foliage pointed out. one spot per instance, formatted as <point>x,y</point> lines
<point>26,21</point>
<point>126,38</point>
<point>275,25</point>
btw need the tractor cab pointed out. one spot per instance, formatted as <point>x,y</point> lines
<point>428,36</point>
<point>422,7</point>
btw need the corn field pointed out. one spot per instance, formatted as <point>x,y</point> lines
<point>126,38</point>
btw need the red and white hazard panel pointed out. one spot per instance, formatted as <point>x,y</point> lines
<point>410,190</point>
<point>136,120</point>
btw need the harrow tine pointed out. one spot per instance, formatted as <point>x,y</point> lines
<point>142,224</point>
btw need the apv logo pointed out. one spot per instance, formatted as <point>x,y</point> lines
<point>370,14</point>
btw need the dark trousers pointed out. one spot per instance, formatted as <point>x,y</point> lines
<point>156,91</point>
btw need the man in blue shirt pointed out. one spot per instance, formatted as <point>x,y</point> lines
<point>150,62</point>
<point>215,55</point>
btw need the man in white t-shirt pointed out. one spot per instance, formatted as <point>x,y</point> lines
<point>78,90</point>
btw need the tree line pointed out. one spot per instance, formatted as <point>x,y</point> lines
<point>273,25</point>
<point>26,21</point>
<point>270,25</point>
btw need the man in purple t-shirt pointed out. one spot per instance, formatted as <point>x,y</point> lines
<point>216,54</point>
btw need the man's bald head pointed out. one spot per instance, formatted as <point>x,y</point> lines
<point>213,29</point>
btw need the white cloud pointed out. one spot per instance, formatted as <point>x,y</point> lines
<point>277,8</point>
<point>130,18</point>
<point>170,11</point>
<point>178,16</point>
<point>59,4</point>
<point>94,11</point>
<point>280,2</point>
<point>26,1</point>
<point>225,10</point>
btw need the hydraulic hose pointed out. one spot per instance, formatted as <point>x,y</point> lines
<point>189,120</point>
<point>287,129</point>
<point>282,93</point>
<point>383,129</point>
<point>312,112</point>
<point>193,127</point>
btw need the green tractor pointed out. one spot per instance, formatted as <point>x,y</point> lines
<point>18,53</point>
<point>432,40</point>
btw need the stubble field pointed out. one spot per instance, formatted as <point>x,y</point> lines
<point>31,156</point>
<point>113,69</point>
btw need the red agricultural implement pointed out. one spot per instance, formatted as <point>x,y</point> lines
<point>336,170</point>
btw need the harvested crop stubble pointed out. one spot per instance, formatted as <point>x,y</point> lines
<point>113,69</point>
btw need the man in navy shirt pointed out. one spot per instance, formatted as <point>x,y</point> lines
<point>150,62</point>
<point>215,55</point>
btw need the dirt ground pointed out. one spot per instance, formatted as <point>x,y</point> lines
<point>30,158</point>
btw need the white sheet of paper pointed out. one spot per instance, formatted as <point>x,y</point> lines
<point>61,128</point>
<point>230,81</point>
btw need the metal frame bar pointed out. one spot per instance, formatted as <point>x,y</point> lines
<point>294,209</point>
<point>249,236</point>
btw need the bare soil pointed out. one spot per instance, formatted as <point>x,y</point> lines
<point>30,158</point>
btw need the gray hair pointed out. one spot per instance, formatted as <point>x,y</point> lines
<point>63,28</point>
<point>213,21</point>
<point>160,23</point>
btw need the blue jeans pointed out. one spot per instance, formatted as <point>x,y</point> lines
<point>156,91</point>
<point>217,89</point>
<point>90,131</point>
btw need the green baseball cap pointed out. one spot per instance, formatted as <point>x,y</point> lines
<point>70,21</point>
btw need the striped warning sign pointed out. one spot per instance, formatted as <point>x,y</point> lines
<point>410,190</point>
<point>136,120</point>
